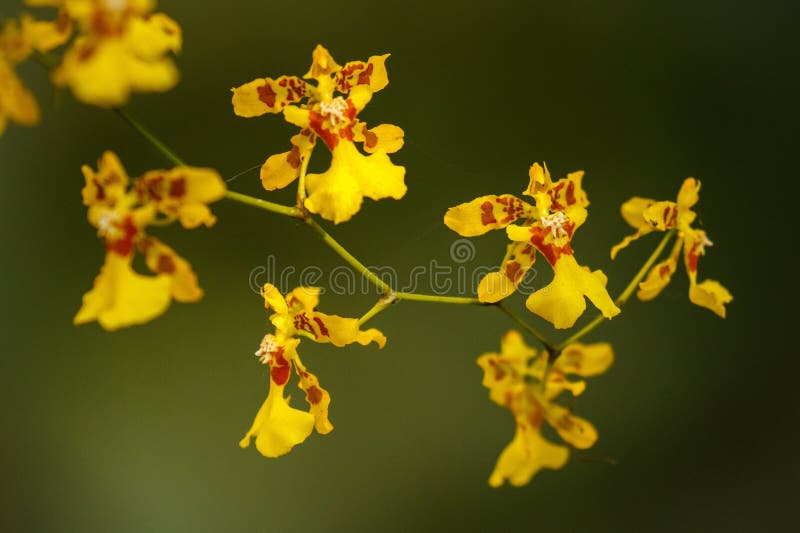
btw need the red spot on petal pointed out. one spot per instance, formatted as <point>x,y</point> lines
<point>279,367</point>
<point>293,158</point>
<point>165,265</point>
<point>322,329</point>
<point>513,271</point>
<point>267,95</point>
<point>550,250</point>
<point>487,213</point>
<point>364,77</point>
<point>314,395</point>
<point>177,188</point>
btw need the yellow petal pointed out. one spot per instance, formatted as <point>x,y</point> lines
<point>661,216</point>
<point>322,64</point>
<point>585,359</point>
<point>106,72</point>
<point>385,138</point>
<point>121,297</point>
<point>183,192</point>
<point>152,37</point>
<point>337,193</point>
<point>280,170</point>
<point>487,213</point>
<point>106,186</point>
<point>526,455</point>
<point>267,95</point>
<point>562,302</point>
<point>633,212</point>
<point>689,194</point>
<point>337,330</point>
<point>709,294</point>
<point>162,259</point>
<point>660,275</point>
<point>303,299</point>
<point>318,399</point>
<point>42,35</point>
<point>574,430</point>
<point>371,74</point>
<point>278,427</point>
<point>273,299</point>
<point>540,180</point>
<point>17,103</point>
<point>496,286</point>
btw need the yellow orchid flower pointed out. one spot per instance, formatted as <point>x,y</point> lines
<point>546,227</point>
<point>278,427</point>
<point>337,193</point>
<point>18,39</point>
<point>646,216</point>
<point>122,47</point>
<point>519,379</point>
<point>121,297</point>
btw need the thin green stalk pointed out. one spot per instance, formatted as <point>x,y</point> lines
<point>625,295</point>
<point>383,303</point>
<point>462,300</point>
<point>263,204</point>
<point>301,182</point>
<point>549,346</point>
<point>348,257</point>
<point>147,134</point>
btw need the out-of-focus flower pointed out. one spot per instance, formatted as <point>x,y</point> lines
<point>524,382</point>
<point>121,296</point>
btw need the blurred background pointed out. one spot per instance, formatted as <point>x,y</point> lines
<point>137,430</point>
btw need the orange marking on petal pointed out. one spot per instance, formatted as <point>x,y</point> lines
<point>487,214</point>
<point>165,265</point>
<point>550,251</point>
<point>279,367</point>
<point>267,95</point>
<point>322,329</point>
<point>177,188</point>
<point>513,271</point>
<point>314,395</point>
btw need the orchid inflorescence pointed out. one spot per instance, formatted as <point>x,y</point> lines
<point>113,48</point>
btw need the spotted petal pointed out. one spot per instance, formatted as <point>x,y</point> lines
<point>487,213</point>
<point>267,95</point>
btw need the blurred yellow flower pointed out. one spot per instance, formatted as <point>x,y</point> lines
<point>519,379</point>
<point>646,216</point>
<point>278,427</point>
<point>337,193</point>
<point>122,47</point>
<point>120,296</point>
<point>546,227</point>
<point>18,39</point>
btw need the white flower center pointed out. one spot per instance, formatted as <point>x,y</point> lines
<point>334,110</point>
<point>269,345</point>
<point>555,223</point>
<point>701,249</point>
<point>107,225</point>
<point>116,5</point>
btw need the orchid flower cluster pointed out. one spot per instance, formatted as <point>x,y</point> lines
<point>106,50</point>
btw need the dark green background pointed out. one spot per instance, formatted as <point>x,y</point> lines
<point>138,430</point>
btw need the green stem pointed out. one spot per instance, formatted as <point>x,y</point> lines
<point>625,295</point>
<point>147,134</point>
<point>263,204</point>
<point>383,303</point>
<point>301,182</point>
<point>549,346</point>
<point>348,257</point>
<point>414,297</point>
